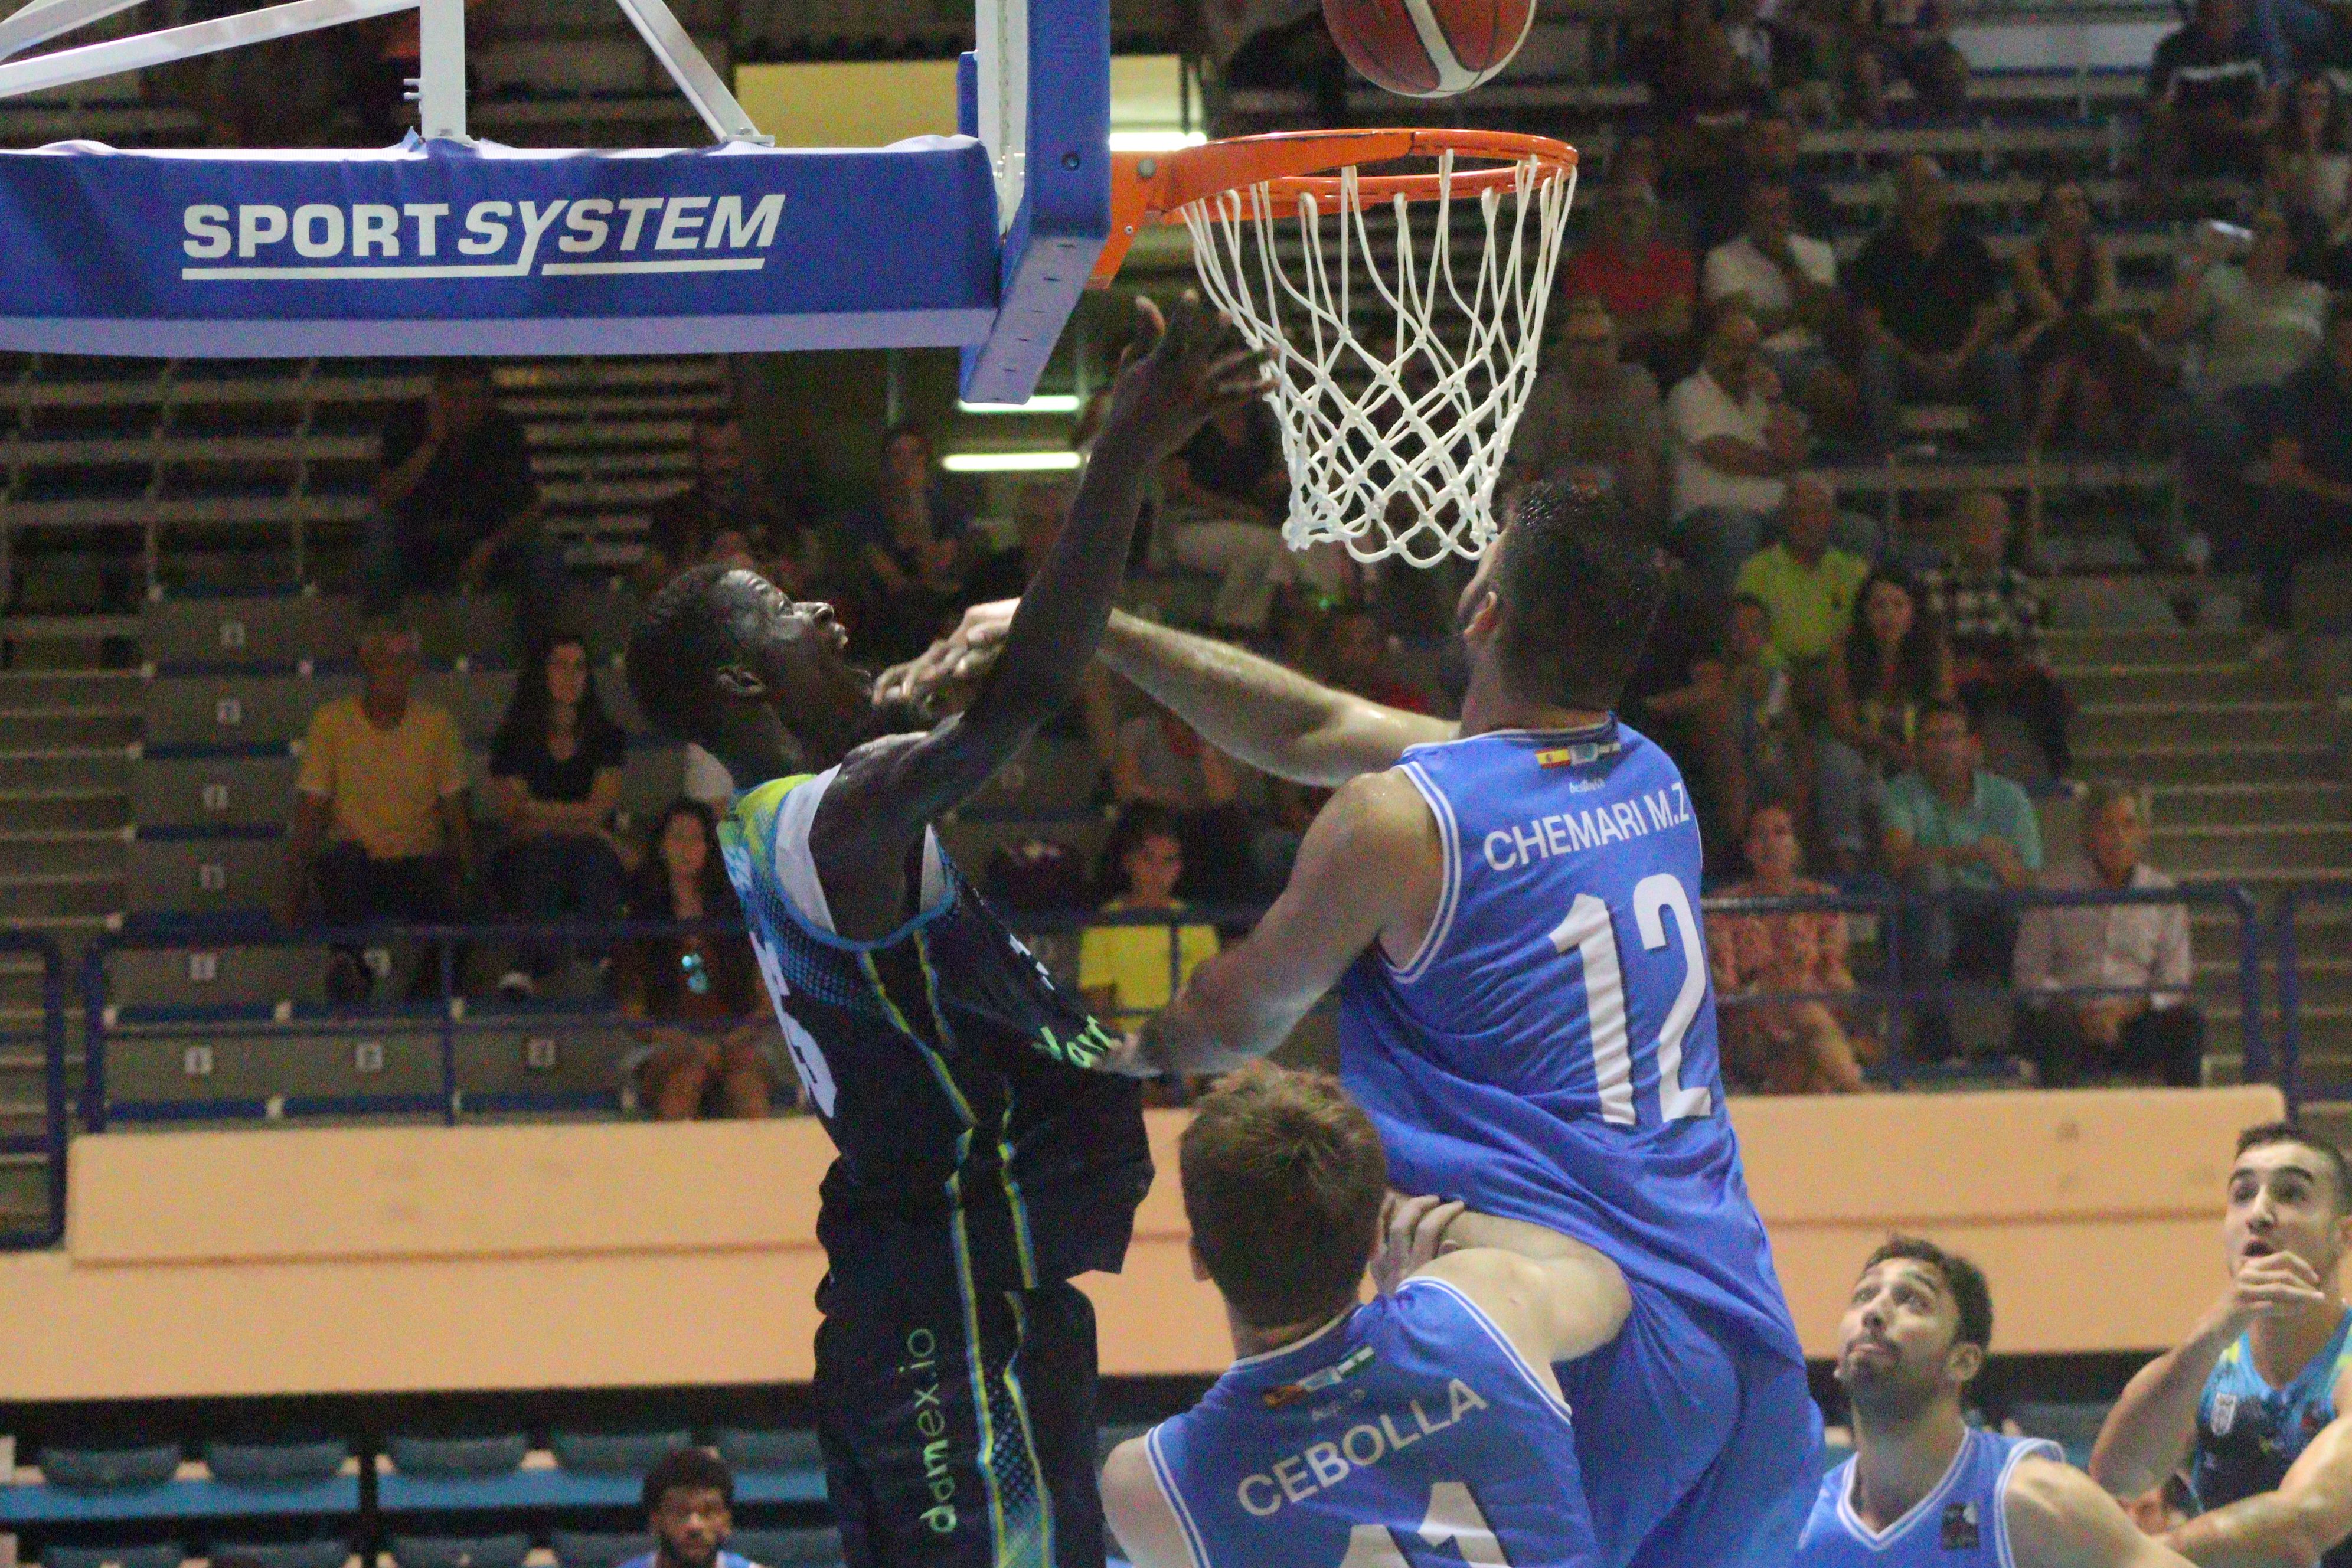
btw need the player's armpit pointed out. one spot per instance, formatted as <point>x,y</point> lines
<point>1370,865</point>
<point>1138,1509</point>
<point>2058,1518</point>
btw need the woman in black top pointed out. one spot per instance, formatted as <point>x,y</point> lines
<point>555,776</point>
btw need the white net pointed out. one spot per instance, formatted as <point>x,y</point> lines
<point>1404,359</point>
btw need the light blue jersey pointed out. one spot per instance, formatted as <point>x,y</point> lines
<point>1408,1432</point>
<point>1548,1055</point>
<point>1962,1523</point>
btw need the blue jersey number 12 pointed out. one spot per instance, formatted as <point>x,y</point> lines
<point>1588,933</point>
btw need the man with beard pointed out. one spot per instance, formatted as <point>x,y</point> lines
<point>2257,1398</point>
<point>690,1508</point>
<point>983,1166</point>
<point>1923,1488</point>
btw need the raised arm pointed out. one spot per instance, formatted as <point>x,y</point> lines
<point>1368,867</point>
<point>2058,1518</point>
<point>887,793</point>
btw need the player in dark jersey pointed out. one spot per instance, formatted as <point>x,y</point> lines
<point>982,1166</point>
<point>2258,1400</point>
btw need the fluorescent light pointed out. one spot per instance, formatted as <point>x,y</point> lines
<point>1044,403</point>
<point>1009,462</point>
<point>1155,141</point>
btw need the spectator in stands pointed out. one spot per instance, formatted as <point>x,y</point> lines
<point>1930,307</point>
<point>455,506</point>
<point>1161,761</point>
<point>1591,410</point>
<point>2306,478</point>
<point>1950,826</point>
<point>1037,513</point>
<point>1363,660</point>
<point>1125,969</point>
<point>1796,1047</point>
<point>1787,283</point>
<point>732,509</point>
<point>1707,92</point>
<point>1910,39</point>
<point>2305,170</point>
<point>1676,696</point>
<point>690,1498</point>
<point>1226,493</point>
<point>2071,351</point>
<point>1993,614</point>
<point>2140,1020</point>
<point>555,777</point>
<point>1645,282</point>
<point>2255,325</point>
<point>705,1035</point>
<point>2211,98</point>
<point>1772,149</point>
<point>1893,668</point>
<point>916,547</point>
<point>1767,753</point>
<point>1808,585</point>
<point>380,829</point>
<point>1734,441</point>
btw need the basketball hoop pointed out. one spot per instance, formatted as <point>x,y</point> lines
<point>1405,351</point>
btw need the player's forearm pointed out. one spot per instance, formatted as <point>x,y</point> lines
<point>2265,1531</point>
<point>2149,1428</point>
<point>1215,1026</point>
<point>1272,718</point>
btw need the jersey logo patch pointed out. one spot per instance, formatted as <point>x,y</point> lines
<point>1960,1532</point>
<point>1575,756</point>
<point>2225,1413</point>
<point>1331,1376</point>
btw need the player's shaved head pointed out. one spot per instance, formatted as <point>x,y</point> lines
<point>1283,1178</point>
<point>1579,582</point>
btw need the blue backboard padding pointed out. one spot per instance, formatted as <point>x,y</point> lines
<point>1064,215</point>
<point>176,1499</point>
<point>205,254</point>
<point>529,1489</point>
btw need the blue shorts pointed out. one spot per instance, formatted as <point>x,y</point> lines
<point>1692,1443</point>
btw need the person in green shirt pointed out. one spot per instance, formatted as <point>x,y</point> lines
<point>1950,826</point>
<point>1808,585</point>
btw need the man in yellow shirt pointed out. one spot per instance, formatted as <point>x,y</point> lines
<point>1124,970</point>
<point>1807,584</point>
<point>380,829</point>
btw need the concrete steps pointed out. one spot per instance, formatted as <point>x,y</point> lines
<point>2308,760</point>
<point>2144,725</point>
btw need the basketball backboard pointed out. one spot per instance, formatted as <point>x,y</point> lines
<point>981,241</point>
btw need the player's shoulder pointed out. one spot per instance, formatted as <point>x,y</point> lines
<point>1384,810</point>
<point>2055,1513</point>
<point>1136,1507</point>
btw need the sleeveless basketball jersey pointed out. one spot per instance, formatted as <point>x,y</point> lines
<point>2249,1433</point>
<point>1409,1431</point>
<point>948,1067</point>
<point>1961,1524</point>
<point>1549,1054</point>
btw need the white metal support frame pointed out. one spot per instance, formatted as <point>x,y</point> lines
<point>1001,54</point>
<point>441,56</point>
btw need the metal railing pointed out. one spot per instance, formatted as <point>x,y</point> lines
<point>50,1142</point>
<point>2327,889</point>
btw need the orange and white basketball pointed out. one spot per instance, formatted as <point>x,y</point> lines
<point>1428,49</point>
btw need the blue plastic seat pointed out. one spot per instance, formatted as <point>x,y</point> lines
<point>754,1448</point>
<point>324,1553</point>
<point>460,1551</point>
<point>109,1470</point>
<point>276,1464</point>
<point>599,1548</point>
<point>164,1554</point>
<point>458,1457</point>
<point>616,1453</point>
<point>809,1548</point>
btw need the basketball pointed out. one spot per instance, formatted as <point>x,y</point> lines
<point>1428,49</point>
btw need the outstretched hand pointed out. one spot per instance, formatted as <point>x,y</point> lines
<point>1177,371</point>
<point>946,673</point>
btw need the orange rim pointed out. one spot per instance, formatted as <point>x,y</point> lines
<point>1157,187</point>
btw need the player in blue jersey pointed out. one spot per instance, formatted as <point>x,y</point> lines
<point>690,1498</point>
<point>1509,909</point>
<point>982,1164</point>
<point>2258,1400</point>
<point>1923,1488</point>
<point>1423,1427</point>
